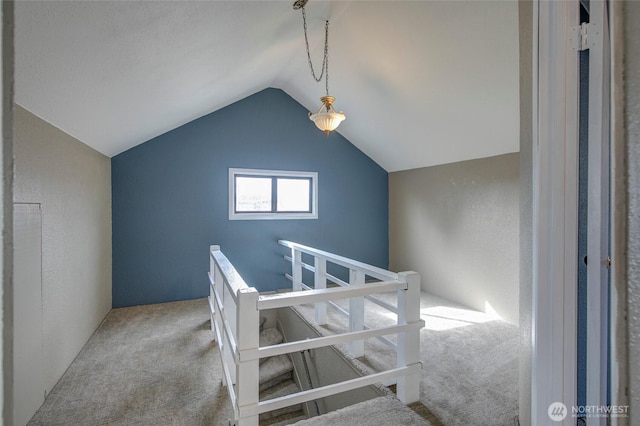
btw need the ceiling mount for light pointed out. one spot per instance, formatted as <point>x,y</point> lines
<point>299,4</point>
<point>328,120</point>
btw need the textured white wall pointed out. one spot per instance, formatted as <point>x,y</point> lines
<point>632,116</point>
<point>6,159</point>
<point>457,225</point>
<point>525,12</point>
<point>72,182</point>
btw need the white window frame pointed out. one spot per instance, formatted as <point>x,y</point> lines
<point>233,215</point>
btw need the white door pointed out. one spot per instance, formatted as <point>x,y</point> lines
<point>28,377</point>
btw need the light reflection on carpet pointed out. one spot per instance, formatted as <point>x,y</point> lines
<point>440,318</point>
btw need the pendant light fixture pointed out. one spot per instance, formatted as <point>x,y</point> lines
<point>327,120</point>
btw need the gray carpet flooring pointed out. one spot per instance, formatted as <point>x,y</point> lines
<point>157,365</point>
<point>378,411</point>
<point>470,360</point>
<point>145,365</point>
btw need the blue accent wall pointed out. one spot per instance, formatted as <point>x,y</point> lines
<point>170,201</point>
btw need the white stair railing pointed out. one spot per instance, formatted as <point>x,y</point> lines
<point>235,311</point>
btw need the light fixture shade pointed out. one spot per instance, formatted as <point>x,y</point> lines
<point>327,121</point>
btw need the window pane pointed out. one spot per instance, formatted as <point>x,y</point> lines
<point>272,194</point>
<point>294,195</point>
<point>253,194</point>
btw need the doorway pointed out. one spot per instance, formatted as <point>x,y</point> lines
<point>28,370</point>
<point>571,179</point>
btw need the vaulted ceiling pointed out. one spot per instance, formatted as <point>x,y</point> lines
<point>421,82</point>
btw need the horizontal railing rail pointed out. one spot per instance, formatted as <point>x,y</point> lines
<point>318,342</point>
<point>328,390</point>
<point>235,311</point>
<point>281,300</point>
<point>370,270</point>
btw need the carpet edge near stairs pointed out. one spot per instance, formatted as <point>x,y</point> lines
<point>383,411</point>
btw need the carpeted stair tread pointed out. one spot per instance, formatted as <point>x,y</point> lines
<point>275,370</point>
<point>284,419</point>
<point>383,410</point>
<point>276,381</point>
<point>270,336</point>
<point>285,388</point>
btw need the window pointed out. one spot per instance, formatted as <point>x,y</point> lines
<point>272,194</point>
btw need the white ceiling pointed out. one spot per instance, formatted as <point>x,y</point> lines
<point>421,82</point>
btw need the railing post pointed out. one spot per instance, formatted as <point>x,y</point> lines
<point>247,335</point>
<point>408,387</point>
<point>212,297</point>
<point>219,290</point>
<point>320,282</point>
<point>356,314</point>
<point>296,269</point>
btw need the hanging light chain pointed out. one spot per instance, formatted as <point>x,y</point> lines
<point>326,55</point>
<point>325,60</point>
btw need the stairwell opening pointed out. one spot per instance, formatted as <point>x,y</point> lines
<point>287,374</point>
